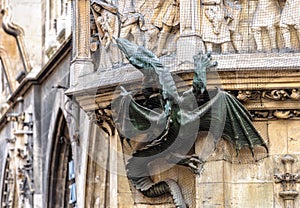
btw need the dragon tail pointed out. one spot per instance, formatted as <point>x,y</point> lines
<point>168,186</point>
<point>138,174</point>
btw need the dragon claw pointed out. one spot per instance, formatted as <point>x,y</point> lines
<point>193,162</point>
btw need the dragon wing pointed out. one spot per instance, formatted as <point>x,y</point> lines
<point>225,117</point>
<point>133,119</point>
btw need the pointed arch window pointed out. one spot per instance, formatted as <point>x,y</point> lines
<point>62,186</point>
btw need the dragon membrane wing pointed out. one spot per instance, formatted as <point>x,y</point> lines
<point>133,119</point>
<point>226,117</point>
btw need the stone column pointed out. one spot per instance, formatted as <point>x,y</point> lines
<point>288,180</point>
<point>189,42</point>
<point>81,55</point>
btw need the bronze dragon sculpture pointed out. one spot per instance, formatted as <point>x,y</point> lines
<point>172,121</point>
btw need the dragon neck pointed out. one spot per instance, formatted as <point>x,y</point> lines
<point>165,79</point>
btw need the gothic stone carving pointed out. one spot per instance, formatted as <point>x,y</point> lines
<point>21,167</point>
<point>166,17</point>
<point>107,27</point>
<point>132,23</point>
<point>260,96</point>
<point>221,26</point>
<point>290,16</point>
<point>276,95</point>
<point>288,180</point>
<point>266,16</point>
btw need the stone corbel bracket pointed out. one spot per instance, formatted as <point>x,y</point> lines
<point>288,180</point>
<point>103,118</point>
<point>16,31</point>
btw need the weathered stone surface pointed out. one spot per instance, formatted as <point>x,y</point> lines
<point>293,140</point>
<point>210,195</point>
<point>278,136</point>
<point>252,195</point>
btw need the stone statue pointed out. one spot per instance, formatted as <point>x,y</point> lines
<point>107,27</point>
<point>290,16</point>
<point>166,17</point>
<point>266,15</point>
<point>214,26</point>
<point>233,9</point>
<point>132,23</point>
<point>171,121</point>
<point>151,33</point>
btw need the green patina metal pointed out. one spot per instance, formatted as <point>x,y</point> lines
<point>174,120</point>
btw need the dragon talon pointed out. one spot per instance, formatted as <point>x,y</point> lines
<point>193,162</point>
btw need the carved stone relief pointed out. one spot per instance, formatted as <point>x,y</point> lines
<point>106,27</point>
<point>19,175</point>
<point>283,94</point>
<point>132,23</point>
<point>288,181</point>
<point>276,111</point>
<point>166,17</point>
<point>229,26</point>
<point>234,9</point>
<point>290,17</point>
<point>214,25</point>
<point>154,24</point>
<point>266,16</point>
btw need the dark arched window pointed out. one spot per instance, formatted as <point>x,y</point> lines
<point>62,189</point>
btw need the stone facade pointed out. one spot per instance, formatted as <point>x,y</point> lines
<point>58,143</point>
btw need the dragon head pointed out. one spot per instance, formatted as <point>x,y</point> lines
<point>138,56</point>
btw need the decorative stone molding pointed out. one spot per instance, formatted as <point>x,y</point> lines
<point>275,114</point>
<point>21,157</point>
<point>82,62</point>
<point>103,118</point>
<point>16,31</point>
<point>288,181</point>
<point>271,104</point>
<point>277,95</point>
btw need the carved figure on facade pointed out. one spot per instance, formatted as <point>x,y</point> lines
<point>166,18</point>
<point>266,16</point>
<point>151,32</point>
<point>170,121</point>
<point>107,27</point>
<point>290,17</point>
<point>132,23</point>
<point>233,10</point>
<point>214,25</point>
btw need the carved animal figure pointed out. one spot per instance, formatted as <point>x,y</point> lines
<point>172,121</point>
